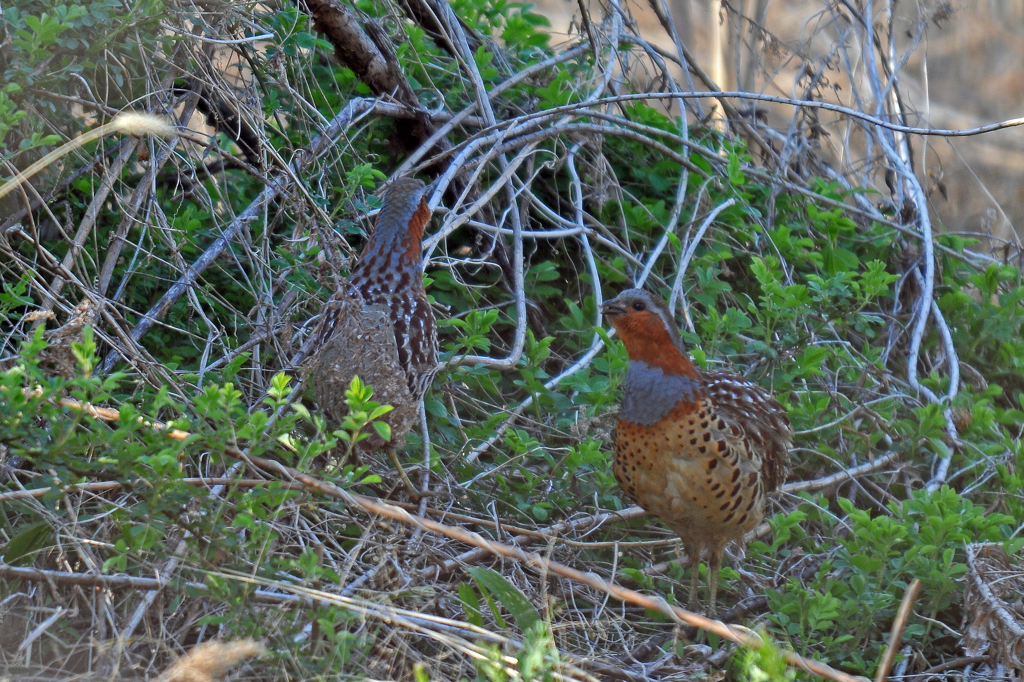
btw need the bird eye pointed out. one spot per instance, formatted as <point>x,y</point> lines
<point>639,306</point>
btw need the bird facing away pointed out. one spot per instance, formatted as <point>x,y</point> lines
<point>379,325</point>
<point>699,450</point>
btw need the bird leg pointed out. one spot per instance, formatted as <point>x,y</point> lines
<point>714,564</point>
<point>393,454</point>
<point>694,554</point>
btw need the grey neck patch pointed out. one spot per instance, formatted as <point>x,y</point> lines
<point>401,201</point>
<point>649,394</point>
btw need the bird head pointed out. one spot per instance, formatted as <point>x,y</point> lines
<point>646,327</point>
<point>403,217</point>
<point>404,210</point>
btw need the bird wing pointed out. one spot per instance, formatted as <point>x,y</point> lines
<point>760,417</point>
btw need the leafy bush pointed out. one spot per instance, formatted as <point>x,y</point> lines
<point>850,600</point>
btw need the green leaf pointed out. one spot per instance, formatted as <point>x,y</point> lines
<point>505,592</point>
<point>470,604</point>
<point>495,611</point>
<point>380,411</point>
<point>22,548</point>
<point>383,430</point>
<point>865,563</point>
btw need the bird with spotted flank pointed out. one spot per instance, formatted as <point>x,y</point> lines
<point>379,325</point>
<point>700,450</point>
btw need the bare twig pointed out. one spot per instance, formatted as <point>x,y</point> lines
<point>948,665</point>
<point>585,523</point>
<point>898,625</point>
<point>255,210</point>
<point>105,486</point>
<point>840,476</point>
<point>755,97</point>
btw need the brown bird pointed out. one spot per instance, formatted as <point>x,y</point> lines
<point>379,325</point>
<point>700,450</point>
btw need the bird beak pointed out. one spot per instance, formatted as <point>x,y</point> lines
<point>612,308</point>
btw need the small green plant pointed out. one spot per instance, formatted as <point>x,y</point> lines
<point>537,662</point>
<point>362,412</point>
<point>764,664</point>
<point>844,611</point>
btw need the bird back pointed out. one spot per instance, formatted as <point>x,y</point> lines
<point>389,274</point>
<point>379,325</point>
<point>362,344</point>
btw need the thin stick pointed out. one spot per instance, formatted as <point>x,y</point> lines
<point>85,227</point>
<point>773,99</point>
<point>839,476</point>
<point>104,486</point>
<point>691,248</point>
<point>108,414</point>
<point>898,624</point>
<point>529,537</point>
<point>948,665</point>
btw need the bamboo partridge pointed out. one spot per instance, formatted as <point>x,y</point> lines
<point>379,325</point>
<point>700,450</point>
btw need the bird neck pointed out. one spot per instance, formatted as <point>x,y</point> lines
<point>414,235</point>
<point>649,342</point>
<point>400,231</point>
<point>651,394</point>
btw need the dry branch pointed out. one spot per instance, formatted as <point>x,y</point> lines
<point>899,623</point>
<point>370,59</point>
<point>278,186</point>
